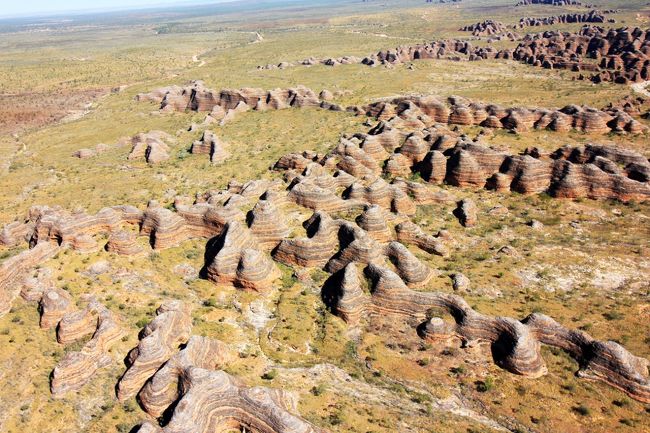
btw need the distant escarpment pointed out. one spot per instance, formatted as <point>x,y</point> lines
<point>617,55</point>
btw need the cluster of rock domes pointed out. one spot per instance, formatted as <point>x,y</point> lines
<point>421,111</point>
<point>593,16</point>
<point>191,385</point>
<point>224,105</point>
<point>490,28</point>
<point>622,55</point>
<point>549,2</point>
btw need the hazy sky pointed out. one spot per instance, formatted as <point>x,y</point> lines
<point>37,7</point>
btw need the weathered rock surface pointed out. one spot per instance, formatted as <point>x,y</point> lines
<point>214,401</point>
<point>152,146</point>
<point>77,368</point>
<point>159,340</point>
<point>210,144</point>
<point>515,344</point>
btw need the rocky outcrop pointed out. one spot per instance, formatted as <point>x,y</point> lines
<point>490,28</point>
<point>54,304</point>
<point>209,144</point>
<point>515,344</point>
<point>233,258</point>
<point>77,368</point>
<point>159,340</point>
<point>163,227</point>
<point>214,401</point>
<point>549,2</point>
<point>163,389</point>
<point>267,225</point>
<point>456,111</point>
<point>442,156</point>
<point>467,213</point>
<point>14,269</point>
<point>593,16</point>
<point>124,243</point>
<point>619,55</point>
<point>225,104</point>
<point>152,147</point>
<point>411,234</point>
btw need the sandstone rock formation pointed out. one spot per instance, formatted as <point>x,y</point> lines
<point>490,28</point>
<point>225,104</point>
<point>515,344</point>
<point>550,2</point>
<point>159,340</point>
<point>214,401</point>
<point>234,259</point>
<point>163,390</point>
<point>467,213</point>
<point>77,368</point>
<point>621,55</point>
<point>152,146</point>
<point>593,16</point>
<point>456,111</point>
<point>209,144</point>
<point>14,269</point>
<point>123,242</point>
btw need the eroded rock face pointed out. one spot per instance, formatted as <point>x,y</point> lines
<point>234,259</point>
<point>515,344</point>
<point>159,340</point>
<point>77,368</point>
<point>593,16</point>
<point>457,111</point>
<point>618,59</point>
<point>214,401</point>
<point>14,269</point>
<point>162,390</point>
<point>490,28</point>
<point>441,156</point>
<point>226,104</point>
<point>152,147</point>
<point>210,144</point>
<point>54,304</point>
<point>467,213</point>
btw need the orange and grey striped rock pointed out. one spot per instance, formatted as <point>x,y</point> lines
<point>162,390</point>
<point>355,246</point>
<point>373,221</point>
<point>164,227</point>
<point>77,368</point>
<point>14,269</point>
<point>15,232</point>
<point>234,259</point>
<point>123,242</point>
<point>342,292</point>
<point>214,401</point>
<point>152,147</point>
<point>54,304</point>
<point>412,271</point>
<point>159,341</point>
<point>425,111</point>
<point>411,234</point>
<point>515,344</point>
<point>316,249</point>
<point>267,224</point>
<point>210,144</point>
